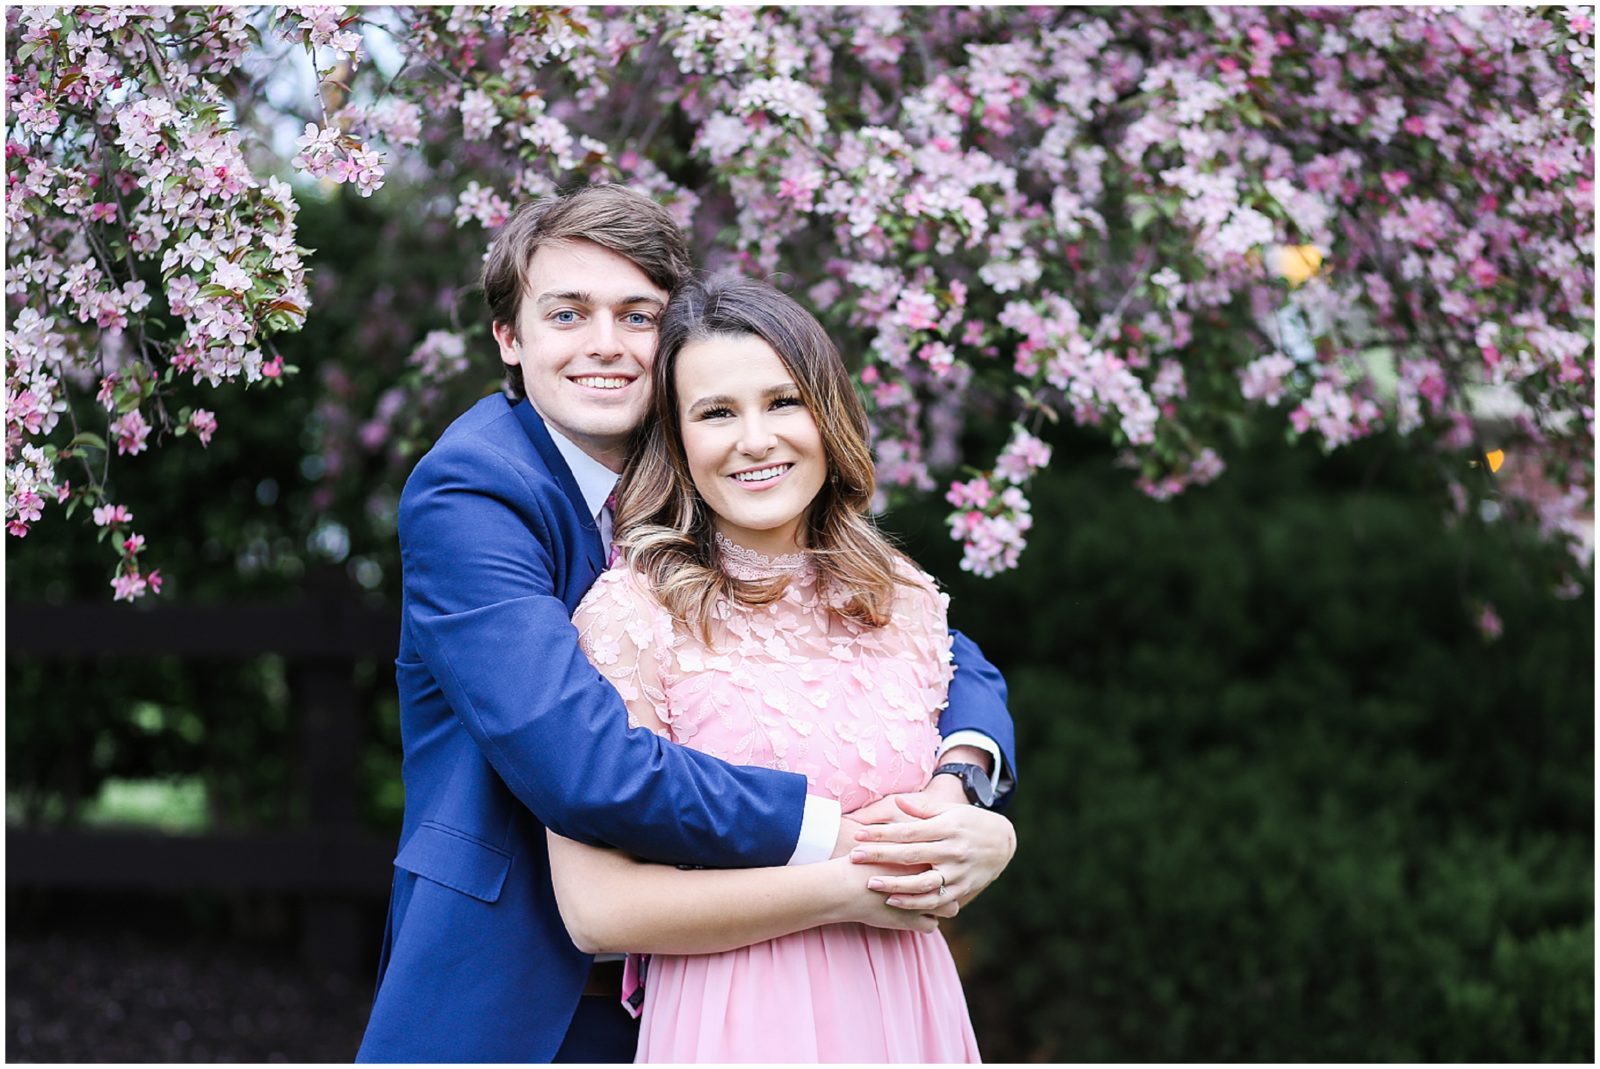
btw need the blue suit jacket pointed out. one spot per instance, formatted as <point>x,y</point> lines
<point>508,729</point>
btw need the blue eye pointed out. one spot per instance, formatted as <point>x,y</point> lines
<point>566,315</point>
<point>639,319</point>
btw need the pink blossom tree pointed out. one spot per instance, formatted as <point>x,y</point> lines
<point>1148,222</point>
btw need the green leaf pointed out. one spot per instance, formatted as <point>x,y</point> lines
<point>87,439</point>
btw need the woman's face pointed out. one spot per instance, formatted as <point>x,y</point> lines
<point>754,450</point>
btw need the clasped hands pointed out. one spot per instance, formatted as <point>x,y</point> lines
<point>911,842</point>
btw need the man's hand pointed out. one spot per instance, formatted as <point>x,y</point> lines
<point>966,846</point>
<point>886,810</point>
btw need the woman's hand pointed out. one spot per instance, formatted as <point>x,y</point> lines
<point>966,846</point>
<point>863,905</point>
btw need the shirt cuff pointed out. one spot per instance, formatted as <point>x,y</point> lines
<point>819,831</point>
<point>1002,776</point>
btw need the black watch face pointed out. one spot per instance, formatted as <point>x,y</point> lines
<point>979,789</point>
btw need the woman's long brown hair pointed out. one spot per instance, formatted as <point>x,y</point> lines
<point>664,527</point>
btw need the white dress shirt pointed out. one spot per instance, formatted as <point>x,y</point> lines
<point>819,825</point>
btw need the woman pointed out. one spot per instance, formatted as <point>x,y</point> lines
<point>759,616</point>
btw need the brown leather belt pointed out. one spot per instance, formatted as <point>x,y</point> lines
<point>605,980</point>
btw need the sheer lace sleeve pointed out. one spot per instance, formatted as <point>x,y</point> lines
<point>625,633</point>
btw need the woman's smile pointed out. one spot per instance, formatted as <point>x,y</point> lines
<point>763,478</point>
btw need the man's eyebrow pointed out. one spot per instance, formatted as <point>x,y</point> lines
<point>588,299</point>
<point>575,296</point>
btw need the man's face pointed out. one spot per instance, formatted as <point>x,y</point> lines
<point>586,341</point>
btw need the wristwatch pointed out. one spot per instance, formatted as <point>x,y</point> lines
<point>974,780</point>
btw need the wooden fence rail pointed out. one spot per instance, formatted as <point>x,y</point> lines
<point>332,864</point>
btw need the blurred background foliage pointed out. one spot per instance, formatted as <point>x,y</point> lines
<point>1281,799</point>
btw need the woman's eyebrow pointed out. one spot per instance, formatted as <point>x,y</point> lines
<point>770,391</point>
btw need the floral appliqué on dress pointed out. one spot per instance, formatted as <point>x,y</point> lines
<point>791,685</point>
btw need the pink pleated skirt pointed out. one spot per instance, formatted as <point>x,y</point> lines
<point>840,993</point>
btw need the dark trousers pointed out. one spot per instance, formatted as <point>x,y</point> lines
<point>601,1031</point>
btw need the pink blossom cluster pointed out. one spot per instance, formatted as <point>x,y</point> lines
<point>1337,414</point>
<point>485,206</point>
<point>325,26</point>
<point>442,355</point>
<point>1205,467</point>
<point>129,583</point>
<point>1022,456</point>
<point>1489,623</point>
<point>120,154</point>
<point>1266,378</point>
<point>30,485</point>
<point>992,538</point>
<point>330,150</point>
<point>325,152</point>
<point>992,515</point>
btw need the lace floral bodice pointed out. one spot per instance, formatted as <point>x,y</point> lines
<point>790,685</point>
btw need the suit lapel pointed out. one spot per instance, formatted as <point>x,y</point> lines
<point>557,465</point>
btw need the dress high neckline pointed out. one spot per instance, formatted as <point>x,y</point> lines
<point>743,563</point>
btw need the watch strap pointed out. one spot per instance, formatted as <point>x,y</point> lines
<point>974,781</point>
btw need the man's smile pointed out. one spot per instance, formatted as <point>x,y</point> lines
<point>602,382</point>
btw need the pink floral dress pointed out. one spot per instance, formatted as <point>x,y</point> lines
<point>794,686</point>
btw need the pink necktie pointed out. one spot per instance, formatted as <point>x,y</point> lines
<point>633,972</point>
<point>609,509</point>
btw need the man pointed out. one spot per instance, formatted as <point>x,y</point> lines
<point>507,728</point>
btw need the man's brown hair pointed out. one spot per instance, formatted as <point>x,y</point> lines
<point>612,216</point>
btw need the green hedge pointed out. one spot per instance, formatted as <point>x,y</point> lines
<point>1281,799</point>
